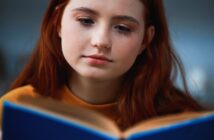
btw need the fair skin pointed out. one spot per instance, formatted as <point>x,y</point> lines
<point>101,41</point>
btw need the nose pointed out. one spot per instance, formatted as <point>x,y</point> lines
<point>101,38</point>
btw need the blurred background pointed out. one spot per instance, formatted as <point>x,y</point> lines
<point>191,24</point>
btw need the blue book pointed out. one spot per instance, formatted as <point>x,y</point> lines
<point>46,119</point>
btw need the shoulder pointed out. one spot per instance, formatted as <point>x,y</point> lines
<point>21,91</point>
<point>14,94</point>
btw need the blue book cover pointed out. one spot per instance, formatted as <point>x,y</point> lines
<point>199,128</point>
<point>42,119</point>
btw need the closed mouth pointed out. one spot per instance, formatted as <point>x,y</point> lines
<point>99,57</point>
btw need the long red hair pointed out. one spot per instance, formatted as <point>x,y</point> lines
<point>148,89</point>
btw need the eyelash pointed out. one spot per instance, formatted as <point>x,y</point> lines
<point>123,29</point>
<point>88,22</point>
<point>85,21</point>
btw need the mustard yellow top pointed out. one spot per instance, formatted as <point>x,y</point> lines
<point>109,110</point>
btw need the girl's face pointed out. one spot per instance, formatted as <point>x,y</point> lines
<point>101,39</point>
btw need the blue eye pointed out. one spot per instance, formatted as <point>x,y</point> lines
<point>122,29</point>
<point>86,21</point>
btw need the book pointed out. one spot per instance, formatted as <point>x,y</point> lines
<point>41,118</point>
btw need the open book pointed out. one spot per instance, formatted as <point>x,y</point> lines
<point>46,119</point>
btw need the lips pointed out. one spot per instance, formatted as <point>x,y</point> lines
<point>99,57</point>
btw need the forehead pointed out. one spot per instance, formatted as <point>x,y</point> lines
<point>133,8</point>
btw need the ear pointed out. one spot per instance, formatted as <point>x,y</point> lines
<point>58,29</point>
<point>59,32</point>
<point>148,37</point>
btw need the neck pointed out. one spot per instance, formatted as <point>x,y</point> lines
<point>95,91</point>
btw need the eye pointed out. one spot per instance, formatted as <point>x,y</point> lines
<point>86,21</point>
<point>123,29</point>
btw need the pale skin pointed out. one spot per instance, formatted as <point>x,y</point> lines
<point>101,41</point>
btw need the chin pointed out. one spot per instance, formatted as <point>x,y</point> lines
<point>97,76</point>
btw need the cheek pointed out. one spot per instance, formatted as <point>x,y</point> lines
<point>126,53</point>
<point>70,46</point>
<point>70,38</point>
<point>69,31</point>
<point>127,48</point>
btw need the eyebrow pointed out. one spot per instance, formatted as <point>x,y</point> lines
<point>129,18</point>
<point>117,17</point>
<point>86,10</point>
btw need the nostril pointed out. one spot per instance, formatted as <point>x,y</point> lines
<point>101,42</point>
<point>100,46</point>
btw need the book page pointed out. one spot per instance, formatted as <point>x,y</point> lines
<point>162,121</point>
<point>72,113</point>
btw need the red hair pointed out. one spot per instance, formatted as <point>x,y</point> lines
<point>47,69</point>
<point>148,89</point>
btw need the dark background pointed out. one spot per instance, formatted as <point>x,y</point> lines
<point>191,25</point>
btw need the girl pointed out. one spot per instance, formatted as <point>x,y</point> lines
<point>112,56</point>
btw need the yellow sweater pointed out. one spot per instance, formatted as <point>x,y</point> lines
<point>109,110</point>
